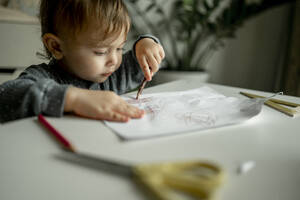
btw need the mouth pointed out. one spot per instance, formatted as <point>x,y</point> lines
<point>107,74</point>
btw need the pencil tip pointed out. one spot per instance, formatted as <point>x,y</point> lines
<point>70,149</point>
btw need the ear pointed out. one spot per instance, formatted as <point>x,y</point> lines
<point>53,44</point>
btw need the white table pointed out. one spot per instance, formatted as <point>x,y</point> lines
<point>30,169</point>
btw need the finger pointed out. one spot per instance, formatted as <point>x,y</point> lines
<point>136,114</point>
<point>130,111</point>
<point>153,63</point>
<point>157,58</point>
<point>115,116</point>
<point>161,52</point>
<point>146,69</point>
<point>108,115</point>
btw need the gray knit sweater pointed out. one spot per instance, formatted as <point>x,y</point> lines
<point>41,89</point>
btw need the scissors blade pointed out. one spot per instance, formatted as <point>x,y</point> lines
<point>98,163</point>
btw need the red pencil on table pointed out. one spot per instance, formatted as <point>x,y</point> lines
<point>58,136</point>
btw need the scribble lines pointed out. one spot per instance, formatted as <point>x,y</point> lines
<point>139,101</point>
<point>162,109</point>
<point>205,119</point>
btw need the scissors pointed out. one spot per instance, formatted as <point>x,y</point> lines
<point>163,181</point>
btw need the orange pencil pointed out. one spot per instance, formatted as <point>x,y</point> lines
<point>58,136</point>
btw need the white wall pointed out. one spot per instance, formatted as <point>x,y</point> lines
<point>252,60</point>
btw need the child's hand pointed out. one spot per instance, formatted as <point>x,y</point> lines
<point>102,105</point>
<point>149,55</point>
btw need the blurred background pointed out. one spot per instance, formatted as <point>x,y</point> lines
<point>251,44</point>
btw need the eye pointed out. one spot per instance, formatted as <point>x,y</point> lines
<point>120,49</point>
<point>99,53</point>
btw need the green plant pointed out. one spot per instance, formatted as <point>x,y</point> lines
<point>192,30</point>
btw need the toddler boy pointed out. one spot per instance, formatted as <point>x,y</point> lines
<point>84,41</point>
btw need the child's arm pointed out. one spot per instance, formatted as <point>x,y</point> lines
<point>102,105</point>
<point>29,95</point>
<point>34,93</point>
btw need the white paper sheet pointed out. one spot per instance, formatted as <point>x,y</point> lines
<point>180,112</point>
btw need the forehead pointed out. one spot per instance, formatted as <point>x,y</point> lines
<point>94,38</point>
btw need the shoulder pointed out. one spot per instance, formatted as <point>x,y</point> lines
<point>42,70</point>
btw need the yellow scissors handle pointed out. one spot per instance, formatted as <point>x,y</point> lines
<point>164,180</point>
<point>197,179</point>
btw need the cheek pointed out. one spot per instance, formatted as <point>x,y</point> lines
<point>75,58</point>
<point>85,65</point>
<point>120,57</point>
<point>79,64</point>
<point>93,65</point>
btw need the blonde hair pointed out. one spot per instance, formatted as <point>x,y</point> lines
<point>70,17</point>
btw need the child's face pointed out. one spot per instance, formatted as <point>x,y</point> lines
<point>94,61</point>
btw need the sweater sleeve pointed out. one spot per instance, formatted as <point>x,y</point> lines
<point>29,95</point>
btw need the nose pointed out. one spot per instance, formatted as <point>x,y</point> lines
<point>112,59</point>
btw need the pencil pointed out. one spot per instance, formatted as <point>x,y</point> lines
<point>57,135</point>
<point>141,88</point>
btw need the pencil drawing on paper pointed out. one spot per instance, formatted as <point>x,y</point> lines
<point>176,108</point>
<point>153,111</point>
<point>204,119</point>
<point>134,101</point>
<point>177,112</point>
